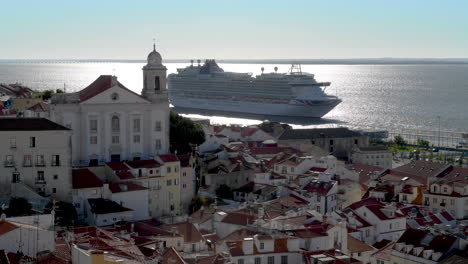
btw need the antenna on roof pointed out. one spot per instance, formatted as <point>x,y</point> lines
<point>154,44</point>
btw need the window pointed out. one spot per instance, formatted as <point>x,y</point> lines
<point>27,161</point>
<point>271,260</point>
<point>390,226</point>
<point>331,142</point>
<point>194,248</point>
<point>176,181</point>
<point>12,142</point>
<point>262,245</point>
<point>115,123</point>
<point>157,144</point>
<point>54,190</point>
<point>184,174</point>
<point>156,83</point>
<point>136,125</point>
<point>284,170</point>
<point>136,138</point>
<point>184,185</point>
<point>169,182</point>
<point>292,169</point>
<point>157,126</point>
<point>32,142</point>
<point>445,190</point>
<point>284,259</point>
<point>240,261</point>
<point>318,198</point>
<point>318,209</point>
<point>258,260</point>
<point>367,232</point>
<point>9,161</point>
<point>355,142</point>
<point>331,149</point>
<point>93,140</point>
<point>40,176</point>
<point>55,176</point>
<point>115,139</point>
<point>93,162</point>
<point>40,160</point>
<point>434,200</point>
<point>55,160</point>
<point>452,202</point>
<point>313,142</point>
<point>168,169</point>
<point>93,125</point>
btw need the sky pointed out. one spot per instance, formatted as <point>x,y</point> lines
<point>233,29</point>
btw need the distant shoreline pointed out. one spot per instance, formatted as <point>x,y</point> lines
<point>381,61</point>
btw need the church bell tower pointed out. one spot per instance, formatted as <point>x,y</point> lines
<point>154,78</point>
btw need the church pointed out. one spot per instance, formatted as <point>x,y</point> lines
<point>112,123</point>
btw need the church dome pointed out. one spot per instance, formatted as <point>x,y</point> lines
<point>154,58</point>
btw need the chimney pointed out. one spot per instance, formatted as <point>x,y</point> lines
<point>247,245</point>
<point>113,80</point>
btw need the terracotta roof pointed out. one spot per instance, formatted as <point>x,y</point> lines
<point>357,246</point>
<point>273,150</point>
<point>340,132</point>
<point>188,231</point>
<point>172,256</point>
<point>148,164</point>
<point>365,171</point>
<point>29,124</point>
<point>6,226</point>
<point>117,166</point>
<point>239,234</point>
<point>248,131</point>
<point>202,215</point>
<point>168,157</point>
<point>184,160</point>
<point>125,175</point>
<point>239,218</point>
<point>319,187</point>
<point>101,84</point>
<point>118,187</point>
<point>40,107</point>
<point>84,178</point>
<point>423,238</point>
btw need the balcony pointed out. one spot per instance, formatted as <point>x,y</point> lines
<point>55,164</point>
<point>40,164</point>
<point>40,181</point>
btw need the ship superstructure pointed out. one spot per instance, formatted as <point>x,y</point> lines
<point>209,87</point>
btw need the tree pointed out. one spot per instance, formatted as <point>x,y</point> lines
<point>431,155</point>
<point>460,160</point>
<point>399,141</point>
<point>423,142</point>
<point>184,133</point>
<point>224,191</point>
<point>18,207</point>
<point>65,213</point>
<point>59,91</point>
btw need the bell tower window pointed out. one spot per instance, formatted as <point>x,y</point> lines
<point>156,84</point>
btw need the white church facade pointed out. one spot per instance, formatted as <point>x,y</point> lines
<point>112,123</point>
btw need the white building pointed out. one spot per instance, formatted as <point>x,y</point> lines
<point>373,155</point>
<point>112,123</point>
<point>28,239</point>
<point>37,153</point>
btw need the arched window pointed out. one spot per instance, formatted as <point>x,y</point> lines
<point>115,124</point>
<point>156,83</point>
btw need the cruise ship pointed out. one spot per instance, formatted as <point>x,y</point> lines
<point>291,94</point>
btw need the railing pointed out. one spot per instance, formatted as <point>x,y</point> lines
<point>9,163</point>
<point>40,181</point>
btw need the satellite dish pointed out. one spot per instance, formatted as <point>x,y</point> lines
<point>276,69</point>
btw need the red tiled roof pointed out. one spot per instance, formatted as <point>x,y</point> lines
<point>188,231</point>
<point>40,107</point>
<point>319,187</point>
<point>237,218</point>
<point>168,157</point>
<point>125,175</point>
<point>365,171</point>
<point>117,166</point>
<point>148,164</point>
<point>447,216</point>
<point>184,160</point>
<point>118,187</point>
<point>84,178</point>
<point>273,150</point>
<point>6,227</point>
<point>316,169</point>
<point>101,84</point>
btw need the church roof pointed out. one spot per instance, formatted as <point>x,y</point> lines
<point>101,84</point>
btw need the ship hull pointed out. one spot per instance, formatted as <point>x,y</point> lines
<point>259,108</point>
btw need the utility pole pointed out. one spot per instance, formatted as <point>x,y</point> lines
<point>438,117</point>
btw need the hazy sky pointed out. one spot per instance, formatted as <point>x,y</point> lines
<point>233,29</point>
